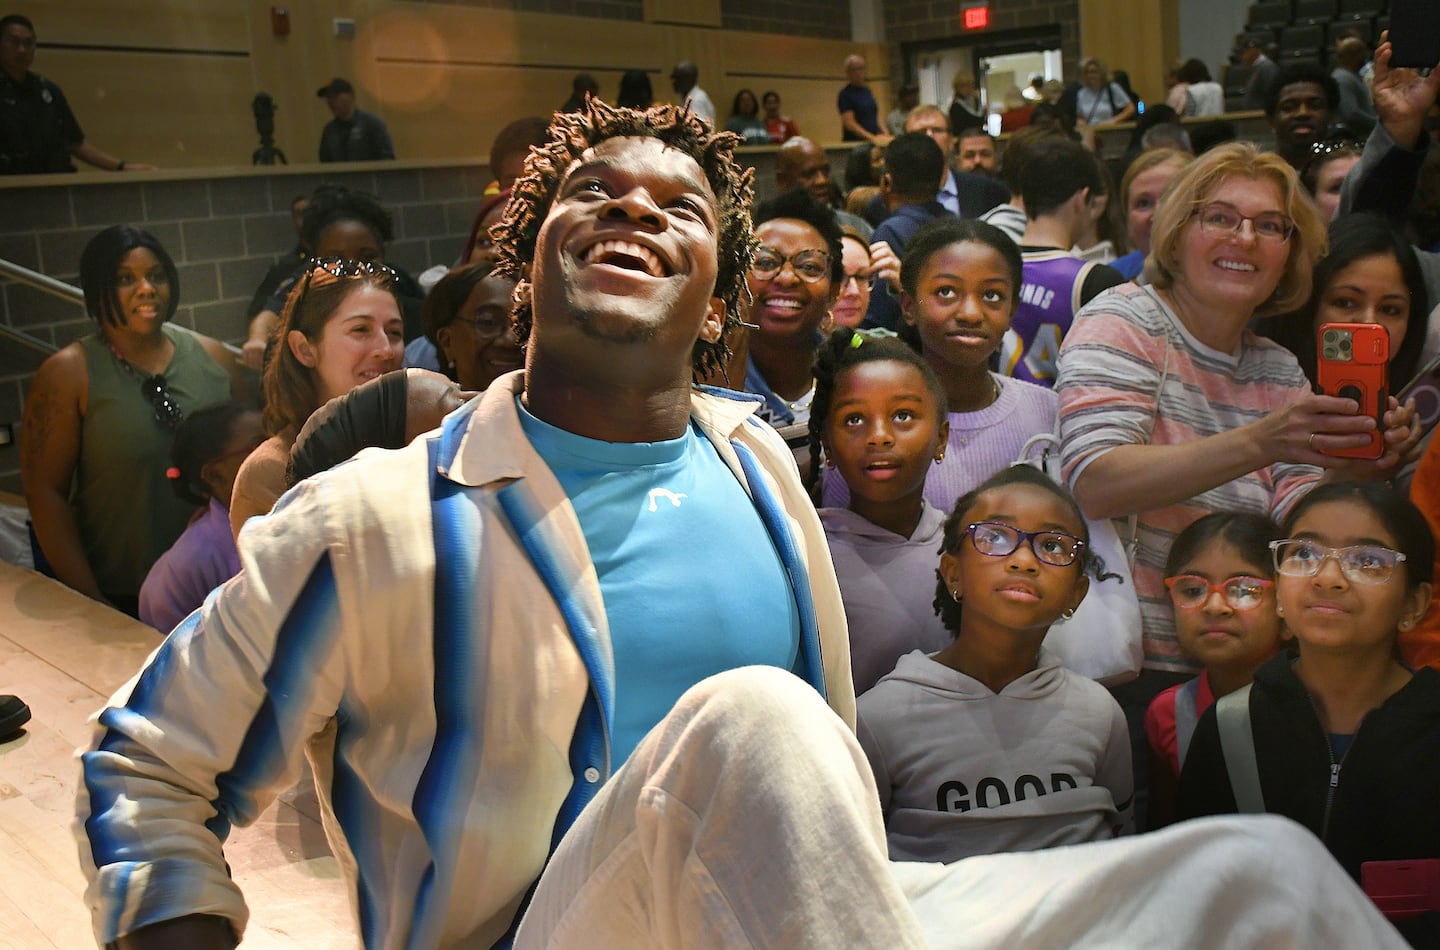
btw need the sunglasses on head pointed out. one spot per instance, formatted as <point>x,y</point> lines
<point>341,269</point>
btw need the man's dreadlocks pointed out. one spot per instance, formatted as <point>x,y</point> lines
<point>570,135</point>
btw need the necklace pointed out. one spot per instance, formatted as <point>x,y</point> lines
<point>989,399</point>
<point>804,402</point>
<point>960,438</point>
<point>155,390</point>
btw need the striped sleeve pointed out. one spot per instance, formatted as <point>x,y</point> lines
<point>1109,381</point>
<point>210,731</point>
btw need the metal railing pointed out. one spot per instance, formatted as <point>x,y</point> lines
<point>55,288</point>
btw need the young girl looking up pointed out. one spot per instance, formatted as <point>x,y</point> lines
<point>961,281</point>
<point>990,745</point>
<point>204,459</point>
<point>1346,737</point>
<point>1221,582</point>
<point>879,413</point>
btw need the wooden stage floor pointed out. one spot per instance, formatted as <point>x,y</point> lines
<point>64,655</point>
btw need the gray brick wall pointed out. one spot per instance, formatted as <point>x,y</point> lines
<point>223,233</point>
<point>822,19</point>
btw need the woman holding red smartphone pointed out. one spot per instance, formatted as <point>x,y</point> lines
<point>1170,408</point>
<point>1371,275</point>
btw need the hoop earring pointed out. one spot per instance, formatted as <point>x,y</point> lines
<point>1067,613</point>
<point>955,595</point>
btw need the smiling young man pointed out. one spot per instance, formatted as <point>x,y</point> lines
<point>468,636</point>
<point>471,634</point>
<point>1300,105</point>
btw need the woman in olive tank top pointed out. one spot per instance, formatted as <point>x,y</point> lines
<point>98,421</point>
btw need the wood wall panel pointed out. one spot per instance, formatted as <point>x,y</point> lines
<point>689,12</point>
<point>172,111</point>
<point>445,77</point>
<point>1141,36</point>
<point>158,24</point>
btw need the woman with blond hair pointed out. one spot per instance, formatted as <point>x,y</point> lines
<point>1171,408</point>
<point>1099,102</point>
<point>1140,190</point>
<point>965,109</point>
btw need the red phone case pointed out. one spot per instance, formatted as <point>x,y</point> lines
<point>1352,361</point>
<point>1402,889</point>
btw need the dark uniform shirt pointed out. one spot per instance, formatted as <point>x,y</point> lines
<point>363,139</point>
<point>37,127</point>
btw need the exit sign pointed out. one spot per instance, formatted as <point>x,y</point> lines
<point>976,17</point>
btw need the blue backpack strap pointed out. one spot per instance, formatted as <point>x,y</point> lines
<point>1237,743</point>
<point>1186,699</point>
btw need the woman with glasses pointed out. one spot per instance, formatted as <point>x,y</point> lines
<point>853,300</point>
<point>100,416</point>
<point>467,318</point>
<point>341,326</point>
<point>1346,737</point>
<point>1170,408</point>
<point>793,280</point>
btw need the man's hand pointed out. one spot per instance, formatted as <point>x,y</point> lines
<point>885,266</point>
<point>1402,96</point>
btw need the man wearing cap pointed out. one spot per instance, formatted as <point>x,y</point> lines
<point>353,135</point>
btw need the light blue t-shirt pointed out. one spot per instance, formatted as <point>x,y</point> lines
<point>691,581</point>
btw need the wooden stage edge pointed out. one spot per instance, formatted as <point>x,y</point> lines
<point>65,655</point>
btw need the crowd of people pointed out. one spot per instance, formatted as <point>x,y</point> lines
<point>533,718</point>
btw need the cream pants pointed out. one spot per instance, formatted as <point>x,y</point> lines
<point>748,818</point>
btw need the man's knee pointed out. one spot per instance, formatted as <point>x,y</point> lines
<point>757,699</point>
<point>1260,848</point>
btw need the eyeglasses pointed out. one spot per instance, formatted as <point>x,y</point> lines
<point>863,281</point>
<point>995,539</point>
<point>342,269</point>
<point>156,392</point>
<point>809,266</point>
<point>1191,591</point>
<point>1221,220</point>
<point>488,326</point>
<point>1364,563</point>
<point>934,131</point>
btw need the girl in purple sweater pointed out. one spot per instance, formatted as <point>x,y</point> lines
<point>960,284</point>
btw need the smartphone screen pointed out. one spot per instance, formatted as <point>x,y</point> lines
<point>1414,34</point>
